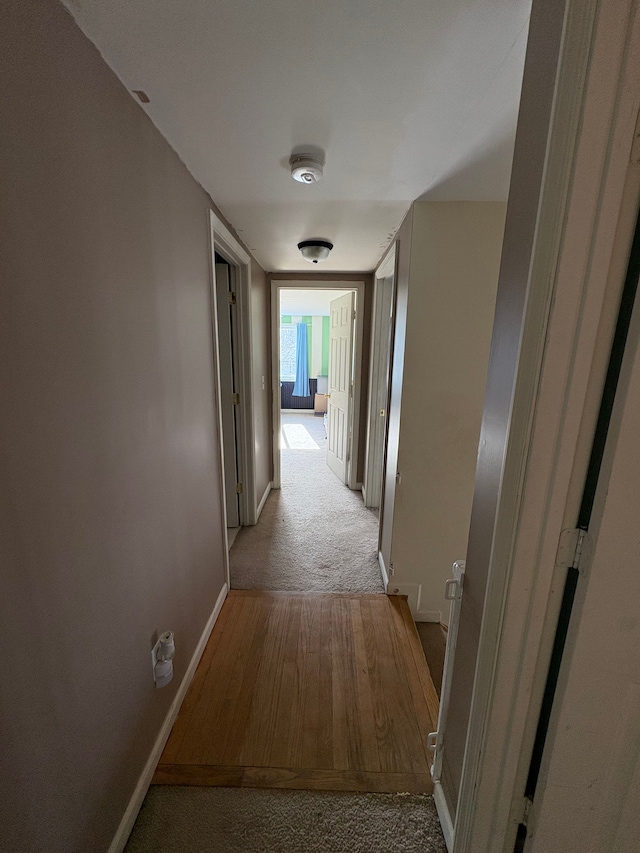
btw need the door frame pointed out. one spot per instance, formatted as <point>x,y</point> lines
<point>227,333</point>
<point>375,453</point>
<point>357,285</point>
<point>227,246</point>
<point>572,293</point>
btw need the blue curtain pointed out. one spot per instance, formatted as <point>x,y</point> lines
<point>301,387</point>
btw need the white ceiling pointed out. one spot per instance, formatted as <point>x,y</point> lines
<point>408,99</point>
<point>307,303</point>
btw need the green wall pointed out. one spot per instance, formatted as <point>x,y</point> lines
<point>286,319</point>
<point>325,346</point>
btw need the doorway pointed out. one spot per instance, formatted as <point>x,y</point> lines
<point>231,336</point>
<point>316,373</point>
<point>224,278</point>
<point>338,341</point>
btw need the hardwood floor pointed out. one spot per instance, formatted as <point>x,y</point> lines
<point>315,691</point>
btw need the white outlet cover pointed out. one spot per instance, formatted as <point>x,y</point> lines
<point>154,658</point>
<point>163,672</point>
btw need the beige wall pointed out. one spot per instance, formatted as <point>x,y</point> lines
<point>448,304</point>
<point>111,518</point>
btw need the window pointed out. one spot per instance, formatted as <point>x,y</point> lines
<point>288,336</point>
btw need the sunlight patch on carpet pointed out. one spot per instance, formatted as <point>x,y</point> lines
<point>297,437</point>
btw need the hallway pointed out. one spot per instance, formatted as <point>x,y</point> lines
<point>314,534</point>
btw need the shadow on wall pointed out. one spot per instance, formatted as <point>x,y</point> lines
<point>488,168</point>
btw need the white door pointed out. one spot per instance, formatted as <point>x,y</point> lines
<point>340,370</point>
<point>225,348</point>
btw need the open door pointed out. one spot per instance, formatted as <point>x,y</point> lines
<point>340,386</point>
<point>227,393</point>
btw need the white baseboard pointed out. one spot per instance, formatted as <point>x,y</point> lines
<point>383,571</point>
<point>443,814</point>
<point>411,590</point>
<point>427,616</point>
<point>263,500</point>
<point>232,533</point>
<point>126,824</point>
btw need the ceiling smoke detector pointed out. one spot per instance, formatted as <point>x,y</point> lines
<point>306,168</point>
<point>315,251</point>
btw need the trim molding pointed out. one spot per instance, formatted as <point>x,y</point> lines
<point>428,616</point>
<point>129,818</point>
<point>263,499</point>
<point>383,570</point>
<point>387,265</point>
<point>443,813</point>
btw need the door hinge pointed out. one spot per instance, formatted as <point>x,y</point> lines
<point>354,314</point>
<point>574,550</point>
<point>238,488</point>
<point>635,145</point>
<point>232,298</point>
<point>235,399</point>
<point>527,803</point>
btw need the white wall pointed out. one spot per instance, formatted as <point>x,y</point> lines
<point>454,262</point>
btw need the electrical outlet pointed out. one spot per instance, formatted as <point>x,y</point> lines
<point>162,666</point>
<point>154,658</point>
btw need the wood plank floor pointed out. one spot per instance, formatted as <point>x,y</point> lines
<point>325,692</point>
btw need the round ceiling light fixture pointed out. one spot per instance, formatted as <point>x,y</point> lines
<point>315,251</point>
<point>306,168</point>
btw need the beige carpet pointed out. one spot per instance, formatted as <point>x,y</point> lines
<point>314,534</point>
<point>242,820</point>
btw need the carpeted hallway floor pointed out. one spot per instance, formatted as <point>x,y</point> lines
<point>240,820</point>
<point>314,534</point>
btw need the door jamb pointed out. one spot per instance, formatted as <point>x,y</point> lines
<point>358,285</point>
<point>225,244</point>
